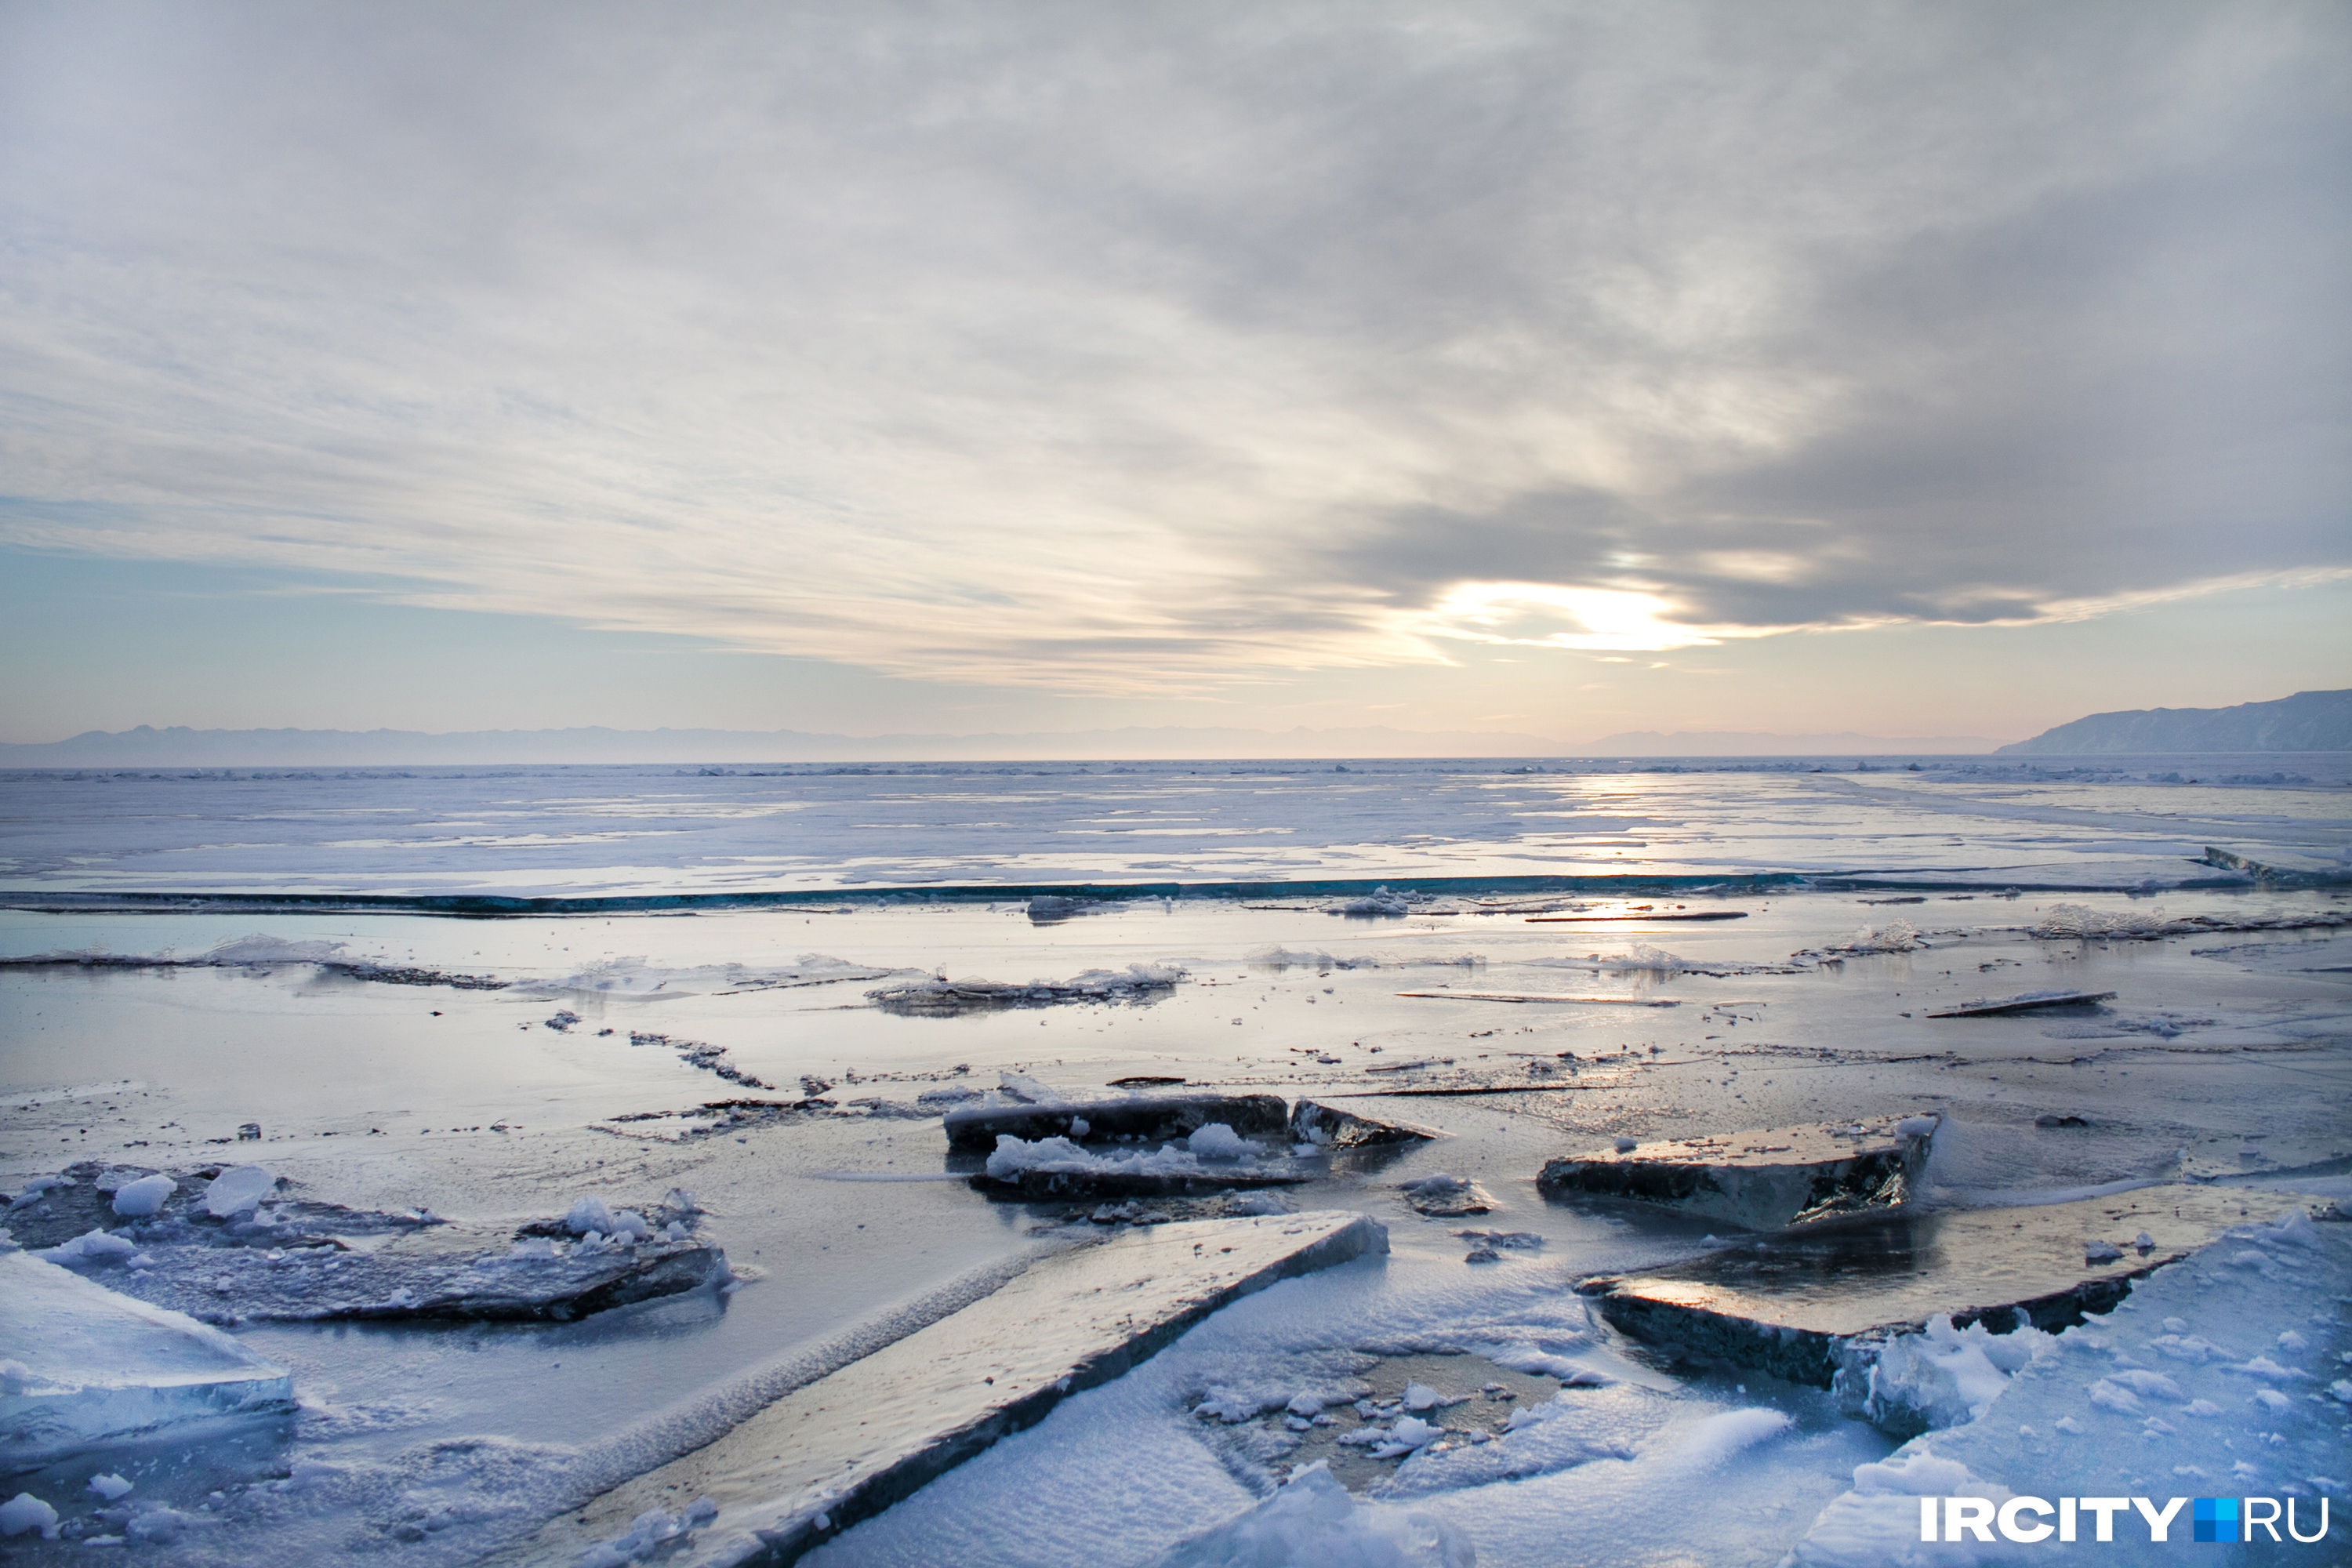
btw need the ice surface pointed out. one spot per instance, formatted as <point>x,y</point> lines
<point>322,1062</point>
<point>659,832</point>
<point>1312,1522</point>
<point>98,1365</point>
<point>647,1533</point>
<point>846,1446</point>
<point>1633,1471</point>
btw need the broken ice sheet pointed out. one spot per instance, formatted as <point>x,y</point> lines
<point>941,997</point>
<point>86,1365</point>
<point>307,1261</point>
<point>1758,1179</point>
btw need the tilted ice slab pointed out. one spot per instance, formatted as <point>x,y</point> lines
<point>1818,1305</point>
<point>84,1365</point>
<point>1333,1127</point>
<point>847,1446</point>
<point>1759,1181</point>
<point>2220,1377</point>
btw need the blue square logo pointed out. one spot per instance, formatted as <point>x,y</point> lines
<point>2213,1519</point>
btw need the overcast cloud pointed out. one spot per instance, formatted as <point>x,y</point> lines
<point>1136,348</point>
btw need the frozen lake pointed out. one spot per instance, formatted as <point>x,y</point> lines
<point>646,832</point>
<point>717,938</point>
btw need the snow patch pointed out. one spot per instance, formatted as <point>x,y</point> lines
<point>1312,1522</point>
<point>1947,1376</point>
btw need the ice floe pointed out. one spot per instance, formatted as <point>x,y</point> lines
<point>941,997</point>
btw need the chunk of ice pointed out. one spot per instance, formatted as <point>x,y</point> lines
<point>136,1200</point>
<point>589,1216</point>
<point>24,1512</point>
<point>112,1487</point>
<point>90,1246</point>
<point>238,1190</point>
<point>1218,1141</point>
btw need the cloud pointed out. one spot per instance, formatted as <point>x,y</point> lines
<point>1124,349</point>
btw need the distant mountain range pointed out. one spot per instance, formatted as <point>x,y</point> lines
<point>2306,722</point>
<point>181,747</point>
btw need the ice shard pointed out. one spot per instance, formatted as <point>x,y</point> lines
<point>1333,1128</point>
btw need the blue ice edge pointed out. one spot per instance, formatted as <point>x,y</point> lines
<point>1651,885</point>
<point>480,906</point>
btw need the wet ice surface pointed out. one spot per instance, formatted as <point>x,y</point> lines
<point>2222,1054</point>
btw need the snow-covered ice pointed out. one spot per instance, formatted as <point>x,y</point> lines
<point>2163,1397</point>
<point>1312,1522</point>
<point>26,1512</point>
<point>1210,1156</point>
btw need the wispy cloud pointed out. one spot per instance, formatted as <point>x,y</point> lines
<point>1128,349</point>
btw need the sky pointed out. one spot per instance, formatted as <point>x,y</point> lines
<point>1558,369</point>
